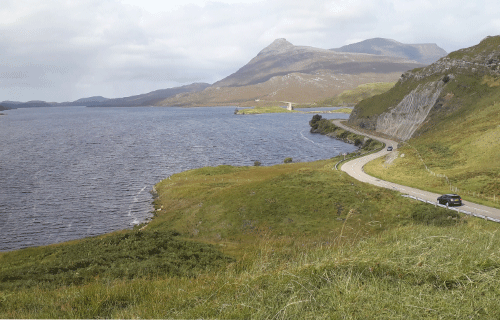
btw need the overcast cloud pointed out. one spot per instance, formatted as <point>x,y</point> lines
<point>59,50</point>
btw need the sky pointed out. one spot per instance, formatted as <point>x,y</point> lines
<point>62,50</point>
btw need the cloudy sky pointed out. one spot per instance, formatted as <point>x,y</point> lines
<point>61,50</point>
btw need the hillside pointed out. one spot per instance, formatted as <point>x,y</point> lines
<point>3,108</point>
<point>300,74</point>
<point>447,115</point>
<point>151,98</point>
<point>354,96</point>
<point>425,53</point>
<point>29,104</point>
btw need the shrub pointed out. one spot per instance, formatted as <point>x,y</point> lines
<point>256,163</point>
<point>436,216</point>
<point>314,121</point>
<point>288,160</point>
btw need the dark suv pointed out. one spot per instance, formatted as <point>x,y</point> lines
<point>450,199</point>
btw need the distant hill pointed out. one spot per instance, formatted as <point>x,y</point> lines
<point>424,53</point>
<point>29,104</point>
<point>151,98</point>
<point>90,100</point>
<point>3,108</point>
<point>285,72</point>
<point>147,99</point>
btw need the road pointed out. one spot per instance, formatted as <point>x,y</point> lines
<point>354,168</point>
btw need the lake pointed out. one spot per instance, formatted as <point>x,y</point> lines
<point>73,172</point>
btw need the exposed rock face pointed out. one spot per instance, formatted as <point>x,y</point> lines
<point>402,121</point>
<point>425,53</point>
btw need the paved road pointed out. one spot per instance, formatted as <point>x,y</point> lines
<point>354,168</point>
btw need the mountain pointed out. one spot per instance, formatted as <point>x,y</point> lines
<point>29,104</point>
<point>424,53</point>
<point>90,100</point>
<point>146,99</point>
<point>282,58</point>
<point>301,74</point>
<point>3,108</point>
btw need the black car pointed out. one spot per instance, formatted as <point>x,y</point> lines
<point>450,199</point>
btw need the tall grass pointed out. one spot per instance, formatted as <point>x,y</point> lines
<point>306,242</point>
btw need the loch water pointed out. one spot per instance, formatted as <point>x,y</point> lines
<point>73,172</point>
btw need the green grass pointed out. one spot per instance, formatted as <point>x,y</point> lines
<point>486,46</point>
<point>352,97</point>
<point>305,241</point>
<point>260,110</point>
<point>123,255</point>
<point>341,110</point>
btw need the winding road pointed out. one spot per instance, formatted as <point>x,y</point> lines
<point>354,168</point>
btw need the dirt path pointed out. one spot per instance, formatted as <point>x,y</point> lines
<point>354,168</point>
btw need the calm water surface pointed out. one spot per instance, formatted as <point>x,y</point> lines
<point>68,173</point>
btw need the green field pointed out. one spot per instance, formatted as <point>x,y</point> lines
<point>290,241</point>
<point>260,110</point>
<point>354,96</point>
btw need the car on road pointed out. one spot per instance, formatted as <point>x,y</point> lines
<point>450,199</point>
<point>389,148</point>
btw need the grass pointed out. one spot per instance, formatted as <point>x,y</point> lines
<point>305,241</point>
<point>341,110</point>
<point>352,97</point>
<point>260,110</point>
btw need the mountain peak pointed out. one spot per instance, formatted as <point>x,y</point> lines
<point>278,46</point>
<point>424,53</point>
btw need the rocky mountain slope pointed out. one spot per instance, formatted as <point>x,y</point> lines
<point>283,71</point>
<point>424,96</point>
<point>425,53</point>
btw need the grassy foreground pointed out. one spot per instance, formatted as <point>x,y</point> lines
<point>291,241</point>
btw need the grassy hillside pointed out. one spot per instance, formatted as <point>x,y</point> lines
<point>291,241</point>
<point>352,97</point>
<point>260,110</point>
<point>456,148</point>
